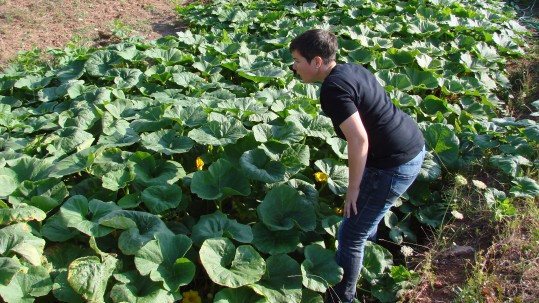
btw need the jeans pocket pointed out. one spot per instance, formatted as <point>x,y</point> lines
<point>399,185</point>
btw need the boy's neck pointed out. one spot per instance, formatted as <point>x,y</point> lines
<point>325,70</point>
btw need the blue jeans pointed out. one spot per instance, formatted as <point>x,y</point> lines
<point>379,189</point>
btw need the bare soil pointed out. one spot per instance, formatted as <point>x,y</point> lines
<point>41,24</point>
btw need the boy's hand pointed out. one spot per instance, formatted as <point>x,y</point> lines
<point>350,202</point>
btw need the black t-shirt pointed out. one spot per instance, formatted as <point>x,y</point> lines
<point>394,137</point>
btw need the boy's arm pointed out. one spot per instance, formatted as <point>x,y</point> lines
<point>358,145</point>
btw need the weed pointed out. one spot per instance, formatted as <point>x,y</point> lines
<point>121,30</point>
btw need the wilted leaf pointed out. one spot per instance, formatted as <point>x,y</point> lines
<point>17,239</point>
<point>89,276</point>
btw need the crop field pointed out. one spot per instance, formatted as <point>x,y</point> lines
<point>197,167</point>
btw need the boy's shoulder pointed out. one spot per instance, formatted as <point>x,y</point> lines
<point>349,72</point>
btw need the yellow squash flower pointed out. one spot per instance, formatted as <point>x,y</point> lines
<point>199,163</point>
<point>320,177</point>
<point>191,296</point>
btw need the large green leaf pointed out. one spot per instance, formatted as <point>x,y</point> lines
<point>169,57</point>
<point>259,166</point>
<point>319,269</point>
<point>74,163</point>
<point>383,62</point>
<point>119,138</point>
<point>238,295</point>
<point>362,55</point>
<point>63,291</point>
<point>20,170</point>
<point>275,242</point>
<point>283,208</point>
<point>428,63</point>
<point>282,280</point>
<point>77,212</point>
<point>400,57</point>
<point>27,285</point>
<point>472,64</point>
<point>55,229</point>
<point>293,157</point>
<point>422,27</point>
<point>149,171</point>
<point>532,132</point>
<point>59,257</point>
<point>187,79</point>
<point>376,261</point>
<point>430,169</point>
<point>127,51</point>
<point>21,213</point>
<point>207,64</point>
<point>72,71</point>
<point>319,127</point>
<point>71,88</point>
<point>310,296</point>
<point>9,267</point>
<point>159,198</point>
<point>8,180</point>
<point>17,239</point>
<point>524,187</point>
<point>191,116</point>
<point>67,140</point>
<point>399,230</point>
<point>218,225</point>
<point>230,266</point>
<point>32,82</point>
<point>117,179</point>
<point>422,79</point>
<point>101,62</point>
<point>288,133</point>
<point>509,164</point>
<point>262,74</point>
<point>89,276</point>
<point>167,141</point>
<point>112,125</point>
<point>139,289</point>
<point>244,108</point>
<point>331,224</point>
<point>220,181</point>
<point>83,117</point>
<point>432,215</point>
<point>391,80</point>
<point>135,236</point>
<point>443,141</point>
<point>121,108</point>
<point>111,165</point>
<point>125,78</point>
<point>163,259</point>
<point>222,132</point>
<point>107,160</point>
<point>337,175</point>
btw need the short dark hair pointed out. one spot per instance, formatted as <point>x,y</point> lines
<point>316,42</point>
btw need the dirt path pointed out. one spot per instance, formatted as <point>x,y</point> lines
<point>43,24</point>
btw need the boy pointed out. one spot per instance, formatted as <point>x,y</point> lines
<point>385,146</point>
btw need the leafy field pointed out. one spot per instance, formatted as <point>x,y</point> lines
<point>144,170</point>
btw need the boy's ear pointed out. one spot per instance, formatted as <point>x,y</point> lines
<point>318,61</point>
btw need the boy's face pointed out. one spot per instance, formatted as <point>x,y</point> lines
<point>307,71</point>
